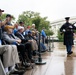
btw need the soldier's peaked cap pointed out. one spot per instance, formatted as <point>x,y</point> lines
<point>67,18</point>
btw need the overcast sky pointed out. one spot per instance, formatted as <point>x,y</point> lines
<point>53,9</point>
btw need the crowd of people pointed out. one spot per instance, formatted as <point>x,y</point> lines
<point>18,44</point>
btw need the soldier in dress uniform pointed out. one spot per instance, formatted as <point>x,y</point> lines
<point>68,29</point>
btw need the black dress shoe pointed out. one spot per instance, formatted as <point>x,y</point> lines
<point>33,60</point>
<point>43,51</point>
<point>29,68</point>
<point>20,68</point>
<point>70,53</point>
<point>19,72</point>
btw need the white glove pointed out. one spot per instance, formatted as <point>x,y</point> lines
<point>64,30</point>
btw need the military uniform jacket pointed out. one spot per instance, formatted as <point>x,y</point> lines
<point>68,30</point>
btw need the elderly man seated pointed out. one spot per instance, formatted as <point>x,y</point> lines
<point>27,39</point>
<point>32,41</point>
<point>9,57</point>
<point>12,39</point>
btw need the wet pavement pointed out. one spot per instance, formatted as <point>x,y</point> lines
<point>57,62</point>
<point>66,65</point>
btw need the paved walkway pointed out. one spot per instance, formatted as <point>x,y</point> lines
<point>57,63</point>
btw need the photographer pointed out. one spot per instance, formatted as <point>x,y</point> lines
<point>68,29</point>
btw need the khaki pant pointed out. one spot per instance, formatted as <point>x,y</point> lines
<point>34,45</point>
<point>10,55</point>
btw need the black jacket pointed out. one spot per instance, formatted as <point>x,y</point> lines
<point>19,35</point>
<point>68,30</point>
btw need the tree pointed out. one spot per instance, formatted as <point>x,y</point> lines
<point>60,37</point>
<point>49,32</point>
<point>4,16</point>
<point>27,17</point>
<point>30,17</point>
<point>41,22</point>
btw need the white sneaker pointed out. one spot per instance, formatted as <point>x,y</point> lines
<point>7,73</point>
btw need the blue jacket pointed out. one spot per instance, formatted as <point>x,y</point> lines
<point>43,33</point>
